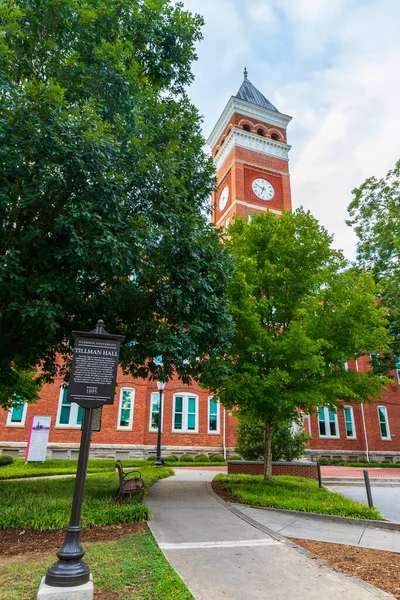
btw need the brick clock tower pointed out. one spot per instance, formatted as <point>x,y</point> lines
<point>251,155</point>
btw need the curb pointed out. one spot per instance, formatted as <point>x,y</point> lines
<point>386,525</point>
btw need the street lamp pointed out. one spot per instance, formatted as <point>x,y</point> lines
<point>161,386</point>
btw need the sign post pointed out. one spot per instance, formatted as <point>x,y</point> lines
<point>92,384</point>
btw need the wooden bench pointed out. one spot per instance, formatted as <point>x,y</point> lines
<point>130,484</point>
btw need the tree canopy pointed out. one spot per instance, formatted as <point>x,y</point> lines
<point>375,216</point>
<point>103,189</point>
<point>300,314</point>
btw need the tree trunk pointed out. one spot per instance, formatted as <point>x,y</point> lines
<point>267,451</point>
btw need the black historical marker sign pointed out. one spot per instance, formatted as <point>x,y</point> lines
<point>94,369</point>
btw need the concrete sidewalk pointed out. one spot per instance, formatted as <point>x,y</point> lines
<point>220,555</point>
<point>323,530</point>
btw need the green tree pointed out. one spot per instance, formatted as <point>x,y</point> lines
<point>103,189</point>
<point>375,217</point>
<point>286,444</point>
<point>300,314</point>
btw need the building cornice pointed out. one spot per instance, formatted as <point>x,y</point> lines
<point>250,141</point>
<point>247,109</point>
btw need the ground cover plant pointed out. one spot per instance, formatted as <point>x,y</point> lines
<point>18,469</point>
<point>293,493</point>
<point>336,462</point>
<point>130,567</point>
<point>45,505</point>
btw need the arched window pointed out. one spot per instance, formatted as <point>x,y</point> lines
<point>246,127</point>
<point>261,132</point>
<point>274,136</point>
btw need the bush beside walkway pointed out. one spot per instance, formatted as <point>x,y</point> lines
<point>293,493</point>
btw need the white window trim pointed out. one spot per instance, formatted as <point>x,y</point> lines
<point>308,419</point>
<point>388,438</point>
<point>9,423</point>
<point>353,422</point>
<point>218,405</point>
<point>74,411</point>
<point>185,396</point>
<point>130,426</point>
<point>328,435</point>
<point>156,395</point>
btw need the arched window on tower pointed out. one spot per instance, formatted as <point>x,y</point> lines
<point>261,132</point>
<point>274,136</point>
<point>246,127</point>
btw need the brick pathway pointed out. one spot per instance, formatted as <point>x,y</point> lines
<point>374,473</point>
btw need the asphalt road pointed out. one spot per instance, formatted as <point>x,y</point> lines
<point>386,499</point>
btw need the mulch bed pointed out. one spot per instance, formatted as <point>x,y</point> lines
<point>21,542</point>
<point>219,489</point>
<point>377,567</point>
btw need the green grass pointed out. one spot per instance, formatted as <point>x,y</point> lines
<point>294,493</point>
<point>18,469</point>
<point>44,504</point>
<point>358,463</point>
<point>133,568</point>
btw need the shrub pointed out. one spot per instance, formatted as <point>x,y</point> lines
<point>151,458</point>
<point>172,458</point>
<point>235,457</point>
<point>216,458</point>
<point>186,458</point>
<point>5,459</point>
<point>201,458</point>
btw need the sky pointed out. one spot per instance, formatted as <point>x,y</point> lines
<point>334,66</point>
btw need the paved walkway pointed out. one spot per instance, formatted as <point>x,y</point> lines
<point>223,555</point>
<point>374,473</point>
<point>386,499</point>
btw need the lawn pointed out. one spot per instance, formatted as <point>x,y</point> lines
<point>132,568</point>
<point>18,469</point>
<point>293,493</point>
<point>44,504</point>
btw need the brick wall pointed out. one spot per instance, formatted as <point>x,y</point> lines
<point>256,467</point>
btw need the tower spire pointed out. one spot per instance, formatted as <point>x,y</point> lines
<point>245,73</point>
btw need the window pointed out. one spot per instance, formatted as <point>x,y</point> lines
<point>246,128</point>
<point>384,422</point>
<point>398,370</point>
<point>125,413</point>
<point>17,413</point>
<point>249,218</point>
<point>274,136</point>
<point>69,413</point>
<point>260,132</point>
<point>227,222</point>
<point>154,410</point>
<point>185,415</point>
<point>328,423</point>
<point>213,415</point>
<point>349,422</point>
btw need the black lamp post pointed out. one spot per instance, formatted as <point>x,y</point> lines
<point>161,386</point>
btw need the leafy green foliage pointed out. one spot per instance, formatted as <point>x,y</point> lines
<point>118,568</point>
<point>286,444</point>
<point>185,458</point>
<point>300,313</point>
<point>216,458</point>
<point>358,463</point>
<point>47,505</point>
<point>294,493</point>
<point>203,458</point>
<point>172,458</point>
<point>375,217</point>
<point>103,189</point>
<point>5,459</point>
<point>235,457</point>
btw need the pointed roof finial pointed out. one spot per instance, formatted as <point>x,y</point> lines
<point>245,73</point>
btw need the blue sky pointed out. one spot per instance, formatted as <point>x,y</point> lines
<point>333,65</point>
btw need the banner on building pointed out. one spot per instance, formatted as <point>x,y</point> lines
<point>38,439</point>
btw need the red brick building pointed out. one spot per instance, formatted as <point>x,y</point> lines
<point>250,150</point>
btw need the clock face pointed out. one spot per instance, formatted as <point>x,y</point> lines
<point>223,199</point>
<point>263,189</point>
